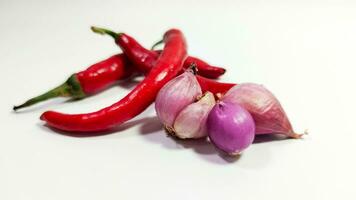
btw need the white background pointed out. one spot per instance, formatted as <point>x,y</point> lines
<point>303,51</point>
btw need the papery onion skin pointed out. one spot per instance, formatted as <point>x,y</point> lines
<point>266,110</point>
<point>175,95</point>
<point>230,127</point>
<point>191,121</point>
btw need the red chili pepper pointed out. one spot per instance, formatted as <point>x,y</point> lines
<point>213,86</point>
<point>144,59</point>
<point>204,69</point>
<point>168,65</point>
<point>87,82</point>
<point>105,73</point>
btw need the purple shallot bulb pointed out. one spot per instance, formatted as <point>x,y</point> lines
<point>230,127</point>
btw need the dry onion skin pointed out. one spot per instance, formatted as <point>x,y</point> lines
<point>176,95</point>
<point>266,110</point>
<point>191,121</point>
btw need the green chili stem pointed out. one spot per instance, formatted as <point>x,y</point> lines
<point>71,88</point>
<point>104,31</point>
<point>156,44</point>
<point>56,92</point>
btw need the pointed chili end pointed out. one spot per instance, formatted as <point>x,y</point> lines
<point>46,116</point>
<point>219,71</point>
<point>42,117</point>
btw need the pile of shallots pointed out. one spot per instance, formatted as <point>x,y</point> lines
<point>231,121</point>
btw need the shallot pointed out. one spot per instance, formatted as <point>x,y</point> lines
<point>176,95</point>
<point>191,121</point>
<point>264,107</point>
<point>230,127</point>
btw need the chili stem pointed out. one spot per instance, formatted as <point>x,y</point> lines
<point>56,92</point>
<point>70,88</point>
<point>104,31</point>
<point>156,44</point>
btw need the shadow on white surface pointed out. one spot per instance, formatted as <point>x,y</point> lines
<point>270,138</point>
<point>152,131</point>
<point>128,83</point>
<point>118,129</point>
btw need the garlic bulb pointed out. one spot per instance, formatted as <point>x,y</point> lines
<point>191,121</point>
<point>174,96</point>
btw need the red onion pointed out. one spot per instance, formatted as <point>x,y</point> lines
<point>230,127</point>
<point>264,107</point>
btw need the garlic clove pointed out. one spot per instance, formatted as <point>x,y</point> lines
<point>191,121</point>
<point>175,95</point>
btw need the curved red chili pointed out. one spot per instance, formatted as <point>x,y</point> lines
<point>204,69</point>
<point>213,86</point>
<point>105,73</point>
<point>89,81</point>
<point>166,67</point>
<point>144,59</point>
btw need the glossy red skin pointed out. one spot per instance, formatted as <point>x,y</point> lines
<point>204,69</point>
<point>104,73</point>
<point>168,65</point>
<point>136,53</point>
<point>144,59</point>
<point>214,87</point>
